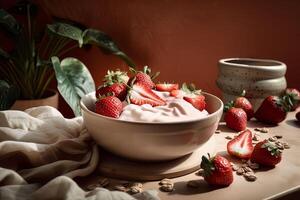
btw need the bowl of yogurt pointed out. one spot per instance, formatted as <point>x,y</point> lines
<point>149,133</point>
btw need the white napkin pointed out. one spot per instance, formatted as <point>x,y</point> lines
<point>40,145</point>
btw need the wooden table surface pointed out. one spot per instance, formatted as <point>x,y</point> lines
<point>283,181</point>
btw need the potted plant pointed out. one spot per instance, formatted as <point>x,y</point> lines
<point>28,68</point>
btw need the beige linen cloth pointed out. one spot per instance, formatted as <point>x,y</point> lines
<point>40,153</point>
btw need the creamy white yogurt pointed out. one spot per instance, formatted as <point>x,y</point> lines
<point>176,109</point>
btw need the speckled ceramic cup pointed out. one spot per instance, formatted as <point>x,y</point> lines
<point>259,77</point>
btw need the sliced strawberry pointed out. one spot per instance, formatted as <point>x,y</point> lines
<point>197,101</point>
<point>177,93</point>
<point>241,146</point>
<point>141,94</point>
<point>138,99</point>
<point>166,87</point>
<point>217,170</point>
<point>193,96</point>
<point>109,106</point>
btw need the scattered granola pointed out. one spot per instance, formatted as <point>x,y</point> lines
<point>249,176</point>
<point>136,188</point>
<point>253,165</point>
<point>272,139</point>
<point>218,131</point>
<point>229,137</point>
<point>278,136</point>
<point>256,137</point>
<point>262,130</point>
<point>166,185</point>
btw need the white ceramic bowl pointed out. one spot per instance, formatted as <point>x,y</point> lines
<point>151,141</point>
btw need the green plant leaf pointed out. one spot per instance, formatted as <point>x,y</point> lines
<point>102,40</point>
<point>66,30</point>
<point>3,54</point>
<point>74,81</point>
<point>9,23</point>
<point>8,95</point>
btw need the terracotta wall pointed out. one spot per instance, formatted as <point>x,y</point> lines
<point>184,39</point>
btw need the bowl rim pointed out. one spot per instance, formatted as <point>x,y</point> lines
<point>210,115</point>
<point>279,65</point>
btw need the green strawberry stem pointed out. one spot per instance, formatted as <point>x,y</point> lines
<point>272,148</point>
<point>207,165</point>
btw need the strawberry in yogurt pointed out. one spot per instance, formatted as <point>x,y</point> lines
<point>161,102</point>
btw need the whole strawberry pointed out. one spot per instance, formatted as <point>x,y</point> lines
<point>236,119</point>
<point>217,170</point>
<point>273,110</point>
<point>266,153</point>
<point>241,146</point>
<point>293,96</point>
<point>143,77</point>
<point>114,83</point>
<point>109,106</point>
<point>242,102</point>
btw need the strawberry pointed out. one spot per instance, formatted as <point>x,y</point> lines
<point>114,83</point>
<point>217,170</point>
<point>242,102</point>
<point>143,77</point>
<point>141,94</point>
<point>166,87</point>
<point>193,96</point>
<point>235,118</point>
<point>298,116</point>
<point>273,110</point>
<point>241,146</point>
<point>109,106</point>
<point>197,101</point>
<point>177,93</point>
<point>293,96</point>
<point>266,153</point>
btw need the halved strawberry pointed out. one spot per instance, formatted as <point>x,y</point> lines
<point>166,87</point>
<point>109,106</point>
<point>241,146</point>
<point>141,94</point>
<point>217,170</point>
<point>193,96</point>
<point>197,101</point>
<point>177,93</point>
